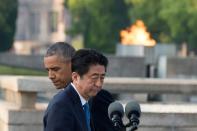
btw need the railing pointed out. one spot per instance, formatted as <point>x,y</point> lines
<point>22,90</point>
<point>151,85</point>
<point>20,112</point>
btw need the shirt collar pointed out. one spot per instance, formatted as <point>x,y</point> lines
<point>83,101</point>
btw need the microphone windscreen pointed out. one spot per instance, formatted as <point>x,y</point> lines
<point>115,108</point>
<point>132,107</point>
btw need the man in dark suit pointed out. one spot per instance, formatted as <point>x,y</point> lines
<point>57,62</point>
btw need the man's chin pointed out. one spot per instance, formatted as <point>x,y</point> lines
<point>58,87</point>
<point>95,93</point>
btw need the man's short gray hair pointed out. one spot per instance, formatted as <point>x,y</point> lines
<point>61,49</point>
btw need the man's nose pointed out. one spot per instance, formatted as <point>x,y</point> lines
<point>51,74</point>
<point>99,82</point>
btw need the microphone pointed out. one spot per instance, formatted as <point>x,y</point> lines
<point>133,112</point>
<point>115,113</point>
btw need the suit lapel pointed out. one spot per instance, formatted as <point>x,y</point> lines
<point>77,107</point>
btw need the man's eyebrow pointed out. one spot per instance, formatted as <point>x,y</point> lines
<point>96,74</point>
<point>55,67</point>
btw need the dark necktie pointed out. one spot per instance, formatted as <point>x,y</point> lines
<point>87,114</point>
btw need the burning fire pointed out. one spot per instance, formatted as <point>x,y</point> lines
<point>136,35</point>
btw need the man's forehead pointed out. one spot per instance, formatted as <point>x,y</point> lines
<point>99,69</point>
<point>58,57</point>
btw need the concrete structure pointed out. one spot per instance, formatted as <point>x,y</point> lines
<point>13,118</point>
<point>151,54</point>
<point>23,113</point>
<point>40,23</point>
<point>126,66</point>
<point>177,67</point>
<point>118,66</point>
<point>150,85</point>
<point>23,61</point>
<point>168,117</point>
<point>130,50</point>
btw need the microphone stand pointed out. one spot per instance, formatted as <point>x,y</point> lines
<point>133,128</point>
<point>133,123</point>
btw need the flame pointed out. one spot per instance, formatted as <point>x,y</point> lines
<point>137,35</point>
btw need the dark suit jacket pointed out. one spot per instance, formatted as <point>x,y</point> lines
<point>65,112</point>
<point>99,111</point>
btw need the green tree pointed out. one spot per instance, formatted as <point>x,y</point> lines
<point>8,14</point>
<point>168,20</point>
<point>181,17</point>
<point>99,21</point>
<point>148,11</point>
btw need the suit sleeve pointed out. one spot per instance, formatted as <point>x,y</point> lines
<point>59,119</point>
<point>99,109</point>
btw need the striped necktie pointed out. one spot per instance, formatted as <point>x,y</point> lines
<point>87,114</point>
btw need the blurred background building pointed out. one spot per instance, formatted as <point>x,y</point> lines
<point>40,23</point>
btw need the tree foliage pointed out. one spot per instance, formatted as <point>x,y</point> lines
<point>149,12</point>
<point>99,21</point>
<point>181,18</point>
<point>8,14</point>
<point>168,20</point>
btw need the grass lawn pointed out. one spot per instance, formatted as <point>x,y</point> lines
<point>7,70</point>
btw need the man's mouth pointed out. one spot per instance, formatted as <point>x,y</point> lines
<point>55,82</point>
<point>96,89</point>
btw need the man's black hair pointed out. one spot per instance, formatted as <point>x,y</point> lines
<point>84,58</point>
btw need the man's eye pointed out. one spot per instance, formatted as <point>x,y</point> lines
<point>94,78</point>
<point>55,69</point>
<point>97,77</point>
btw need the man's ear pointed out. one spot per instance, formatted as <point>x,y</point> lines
<point>75,77</point>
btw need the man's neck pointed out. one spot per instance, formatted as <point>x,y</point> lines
<point>83,100</point>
